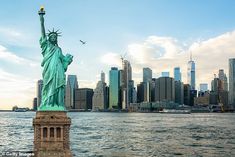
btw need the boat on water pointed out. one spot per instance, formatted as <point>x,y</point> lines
<point>20,110</point>
<point>216,108</point>
<point>175,111</point>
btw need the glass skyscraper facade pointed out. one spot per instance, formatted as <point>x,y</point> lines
<point>83,98</point>
<point>113,88</point>
<point>39,92</point>
<point>165,89</point>
<point>147,79</point>
<point>179,92</point>
<point>232,82</point>
<point>177,74</point>
<point>126,84</point>
<point>99,99</point>
<point>72,85</point>
<point>191,74</point>
<point>102,76</point>
<point>147,74</point>
<point>223,78</point>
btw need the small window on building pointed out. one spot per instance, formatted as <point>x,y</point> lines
<point>58,132</point>
<point>39,131</point>
<point>51,132</point>
<point>44,132</point>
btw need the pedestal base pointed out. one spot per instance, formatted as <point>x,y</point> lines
<point>51,134</point>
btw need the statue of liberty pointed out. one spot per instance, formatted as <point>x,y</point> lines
<point>54,65</point>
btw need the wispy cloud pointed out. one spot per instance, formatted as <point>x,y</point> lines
<point>10,32</point>
<point>8,56</point>
<point>154,49</point>
<point>14,37</point>
<point>111,59</point>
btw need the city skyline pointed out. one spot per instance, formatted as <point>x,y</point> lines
<point>154,34</point>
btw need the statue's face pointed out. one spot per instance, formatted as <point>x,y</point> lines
<point>53,38</point>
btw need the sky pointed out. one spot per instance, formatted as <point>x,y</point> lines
<point>159,34</point>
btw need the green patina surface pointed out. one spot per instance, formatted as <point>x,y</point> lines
<point>54,65</point>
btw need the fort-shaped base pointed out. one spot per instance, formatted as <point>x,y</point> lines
<point>51,134</point>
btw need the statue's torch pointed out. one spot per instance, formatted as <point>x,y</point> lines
<point>41,11</point>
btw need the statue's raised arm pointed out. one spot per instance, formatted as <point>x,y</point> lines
<point>41,12</point>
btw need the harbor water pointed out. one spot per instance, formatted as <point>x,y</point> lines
<point>131,134</point>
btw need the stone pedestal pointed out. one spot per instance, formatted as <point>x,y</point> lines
<point>51,134</point>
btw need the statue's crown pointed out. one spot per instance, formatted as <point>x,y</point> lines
<point>57,33</point>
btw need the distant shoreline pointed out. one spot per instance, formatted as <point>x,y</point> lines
<point>13,111</point>
<point>6,111</point>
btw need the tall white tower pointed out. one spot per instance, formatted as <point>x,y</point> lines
<point>191,72</point>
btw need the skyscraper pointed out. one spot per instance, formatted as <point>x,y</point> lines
<point>113,88</point>
<point>143,92</point>
<point>177,74</point>
<point>140,92</point>
<point>99,99</point>
<point>122,90</point>
<point>145,85</point>
<point>218,94</point>
<point>35,106</point>
<point>225,83</point>
<point>216,85</point>
<point>147,74</point>
<point>221,74</point>
<point>131,89</point>
<point>134,96</point>
<point>126,84</point>
<point>165,89</point>
<point>83,98</point>
<point>39,92</point>
<point>72,85</point>
<point>191,73</point>
<point>127,72</point>
<point>179,86</point>
<point>102,76</point>
<point>187,94</point>
<point>232,82</point>
<point>179,92</point>
<point>153,90</point>
<point>223,78</point>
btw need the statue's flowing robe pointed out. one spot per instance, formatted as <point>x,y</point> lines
<point>53,76</point>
